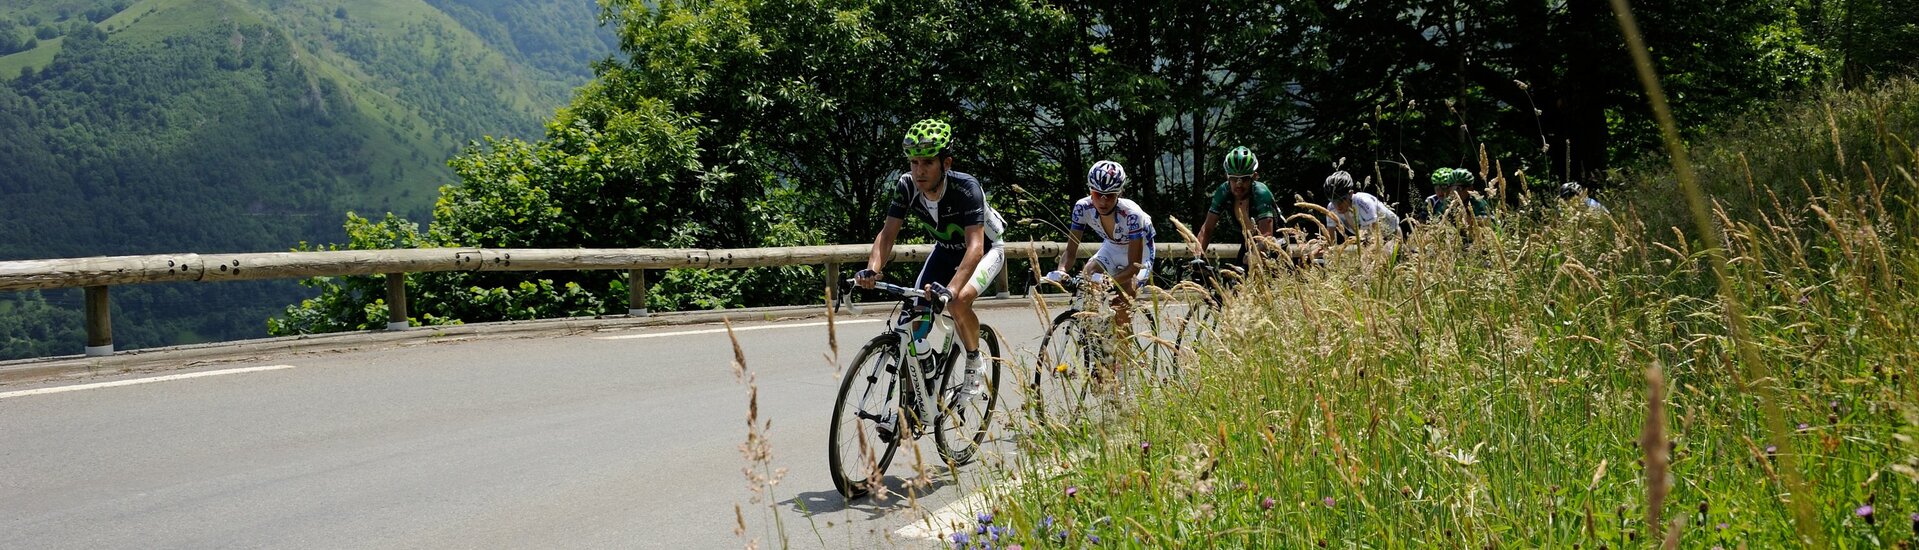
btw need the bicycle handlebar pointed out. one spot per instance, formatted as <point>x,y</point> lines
<point>904,293</point>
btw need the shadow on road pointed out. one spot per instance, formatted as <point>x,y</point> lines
<point>900,495</point>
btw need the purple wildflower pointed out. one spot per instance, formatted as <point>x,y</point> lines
<point>959,540</point>
<point>1722,527</point>
<point>1072,491</point>
<point>1015,547</point>
<point>1093,539</point>
<point>1046,523</point>
<point>1328,501</point>
<point>1144,446</point>
<point>1864,512</point>
<point>1803,426</point>
<point>1266,504</point>
<point>986,518</point>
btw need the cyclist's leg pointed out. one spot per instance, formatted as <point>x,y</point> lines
<point>938,268</point>
<point>965,321</point>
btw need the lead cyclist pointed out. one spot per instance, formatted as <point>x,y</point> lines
<point>967,250</point>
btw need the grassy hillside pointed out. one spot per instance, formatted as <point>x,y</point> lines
<point>1511,393</point>
<point>242,125</point>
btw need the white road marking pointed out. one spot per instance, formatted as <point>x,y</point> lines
<point>117,383</point>
<point>740,329</point>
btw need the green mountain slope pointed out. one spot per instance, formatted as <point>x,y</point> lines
<point>253,125</point>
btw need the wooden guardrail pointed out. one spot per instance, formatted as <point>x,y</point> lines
<point>98,274</point>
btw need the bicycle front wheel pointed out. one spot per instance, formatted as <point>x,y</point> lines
<point>867,420</point>
<point>1066,379</point>
<point>962,420</point>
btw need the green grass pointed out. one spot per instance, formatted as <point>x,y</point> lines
<point>38,58</point>
<point>1496,395</point>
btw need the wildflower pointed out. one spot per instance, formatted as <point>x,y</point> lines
<point>1046,523</point>
<point>986,518</point>
<point>1093,539</point>
<point>1328,501</point>
<point>1072,491</point>
<point>1771,450</point>
<point>1915,524</point>
<point>1722,527</point>
<point>1014,547</point>
<point>1803,426</point>
<point>959,540</point>
<point>1144,447</point>
<point>1864,512</point>
<point>1266,504</point>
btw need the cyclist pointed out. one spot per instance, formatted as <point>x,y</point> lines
<point>1354,211</point>
<point>967,250</point>
<point>1572,192</point>
<point>1242,197</point>
<point>1453,186</point>
<point>1126,236</point>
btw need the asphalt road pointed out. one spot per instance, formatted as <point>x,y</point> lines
<point>608,440</point>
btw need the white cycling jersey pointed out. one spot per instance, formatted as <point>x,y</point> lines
<point>1368,212</point>
<point>1129,221</point>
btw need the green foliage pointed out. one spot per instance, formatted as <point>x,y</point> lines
<point>1497,395</point>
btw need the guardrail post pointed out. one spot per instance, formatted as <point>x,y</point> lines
<point>636,293</point>
<point>832,282</point>
<point>1002,280</point>
<point>396,301</point>
<point>99,322</point>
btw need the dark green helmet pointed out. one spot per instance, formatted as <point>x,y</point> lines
<point>928,138</point>
<point>1241,162</point>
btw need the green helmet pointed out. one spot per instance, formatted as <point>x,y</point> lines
<point>1451,176</point>
<point>1241,162</point>
<point>928,138</point>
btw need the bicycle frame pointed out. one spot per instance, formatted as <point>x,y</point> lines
<point>924,383</point>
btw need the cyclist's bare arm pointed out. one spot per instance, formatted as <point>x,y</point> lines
<point>1072,250</point>
<point>1135,256</point>
<point>882,249</point>
<point>1206,232</point>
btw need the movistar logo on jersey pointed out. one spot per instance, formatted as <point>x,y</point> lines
<point>948,232</point>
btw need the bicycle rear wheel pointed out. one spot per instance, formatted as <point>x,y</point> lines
<point>961,422</point>
<point>860,444</point>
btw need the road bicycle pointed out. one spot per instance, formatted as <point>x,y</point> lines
<point>883,397</point>
<point>1085,357</point>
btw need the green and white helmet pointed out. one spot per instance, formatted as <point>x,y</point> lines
<point>928,138</point>
<point>1451,176</point>
<point>1241,162</point>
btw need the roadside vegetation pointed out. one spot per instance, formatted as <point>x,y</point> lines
<point>1567,380</point>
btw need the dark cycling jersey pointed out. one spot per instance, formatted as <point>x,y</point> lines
<point>1262,207</point>
<point>961,205</point>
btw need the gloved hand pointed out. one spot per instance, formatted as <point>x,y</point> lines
<point>1056,276</point>
<point>1096,278</point>
<point>939,293</point>
<point>866,277</point>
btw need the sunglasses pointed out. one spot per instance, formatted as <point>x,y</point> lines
<point>1105,195</point>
